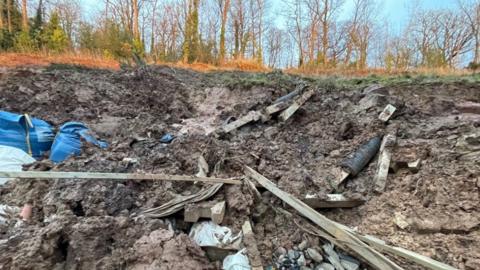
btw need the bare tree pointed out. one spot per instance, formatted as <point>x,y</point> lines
<point>471,10</point>
<point>1,15</point>
<point>24,16</point>
<point>224,6</point>
<point>9,16</point>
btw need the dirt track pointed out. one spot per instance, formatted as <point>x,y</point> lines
<point>92,225</point>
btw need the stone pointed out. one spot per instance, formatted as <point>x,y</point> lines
<point>303,245</point>
<point>348,262</point>
<point>301,261</point>
<point>314,255</point>
<point>293,254</point>
<point>325,266</point>
<point>305,268</point>
<point>280,251</point>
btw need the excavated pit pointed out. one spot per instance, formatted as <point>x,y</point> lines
<point>84,224</point>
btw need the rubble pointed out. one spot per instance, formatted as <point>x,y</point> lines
<point>133,109</point>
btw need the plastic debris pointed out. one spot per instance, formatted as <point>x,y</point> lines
<point>68,141</point>
<point>167,138</point>
<point>209,234</point>
<point>12,159</point>
<point>32,135</point>
<point>238,261</point>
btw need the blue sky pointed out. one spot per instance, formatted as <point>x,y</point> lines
<point>396,11</point>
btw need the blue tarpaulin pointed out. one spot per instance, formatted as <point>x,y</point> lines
<point>32,135</point>
<point>68,141</point>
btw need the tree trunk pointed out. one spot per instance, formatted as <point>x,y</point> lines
<point>135,30</point>
<point>1,15</point>
<point>226,7</point>
<point>9,16</point>
<point>24,16</point>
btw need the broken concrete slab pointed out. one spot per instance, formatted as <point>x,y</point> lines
<point>211,210</point>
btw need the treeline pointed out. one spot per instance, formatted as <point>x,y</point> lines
<point>325,34</point>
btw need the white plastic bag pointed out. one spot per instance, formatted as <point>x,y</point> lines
<point>209,234</point>
<point>238,261</point>
<point>12,159</point>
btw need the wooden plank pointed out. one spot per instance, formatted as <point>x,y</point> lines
<point>250,242</point>
<point>375,259</point>
<point>383,164</point>
<point>387,113</point>
<point>407,254</point>
<point>114,176</point>
<point>274,108</point>
<point>342,175</point>
<point>285,115</point>
<point>250,117</point>
<point>332,201</point>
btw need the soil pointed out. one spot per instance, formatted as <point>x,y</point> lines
<point>81,224</point>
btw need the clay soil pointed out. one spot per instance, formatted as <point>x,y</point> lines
<point>81,224</point>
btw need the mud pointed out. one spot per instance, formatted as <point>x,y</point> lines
<point>96,224</point>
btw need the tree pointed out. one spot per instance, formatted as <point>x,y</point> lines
<point>24,16</point>
<point>224,6</point>
<point>471,10</point>
<point>191,43</point>
<point>54,37</point>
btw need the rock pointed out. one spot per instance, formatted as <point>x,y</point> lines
<point>349,263</point>
<point>301,261</point>
<point>314,255</point>
<point>305,268</point>
<point>280,251</point>
<point>325,266</point>
<point>270,132</point>
<point>401,221</point>
<point>303,245</point>
<point>293,254</point>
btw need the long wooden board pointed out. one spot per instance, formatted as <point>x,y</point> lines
<point>371,256</point>
<point>114,176</point>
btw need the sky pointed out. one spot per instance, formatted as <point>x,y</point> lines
<point>396,11</point>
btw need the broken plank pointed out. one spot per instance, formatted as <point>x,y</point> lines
<point>250,242</point>
<point>285,115</point>
<point>298,89</point>
<point>407,254</point>
<point>387,113</point>
<point>250,117</point>
<point>274,108</point>
<point>363,250</point>
<point>115,176</point>
<point>212,210</point>
<point>332,201</point>
<point>341,176</point>
<point>383,164</point>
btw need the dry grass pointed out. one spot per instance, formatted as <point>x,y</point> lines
<point>37,59</point>
<point>377,71</point>
<point>232,65</point>
<point>93,61</point>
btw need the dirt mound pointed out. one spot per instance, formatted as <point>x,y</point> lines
<point>95,224</point>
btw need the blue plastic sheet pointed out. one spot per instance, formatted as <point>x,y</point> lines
<point>68,141</point>
<point>167,138</point>
<point>16,131</point>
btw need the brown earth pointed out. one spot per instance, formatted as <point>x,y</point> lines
<point>96,224</point>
